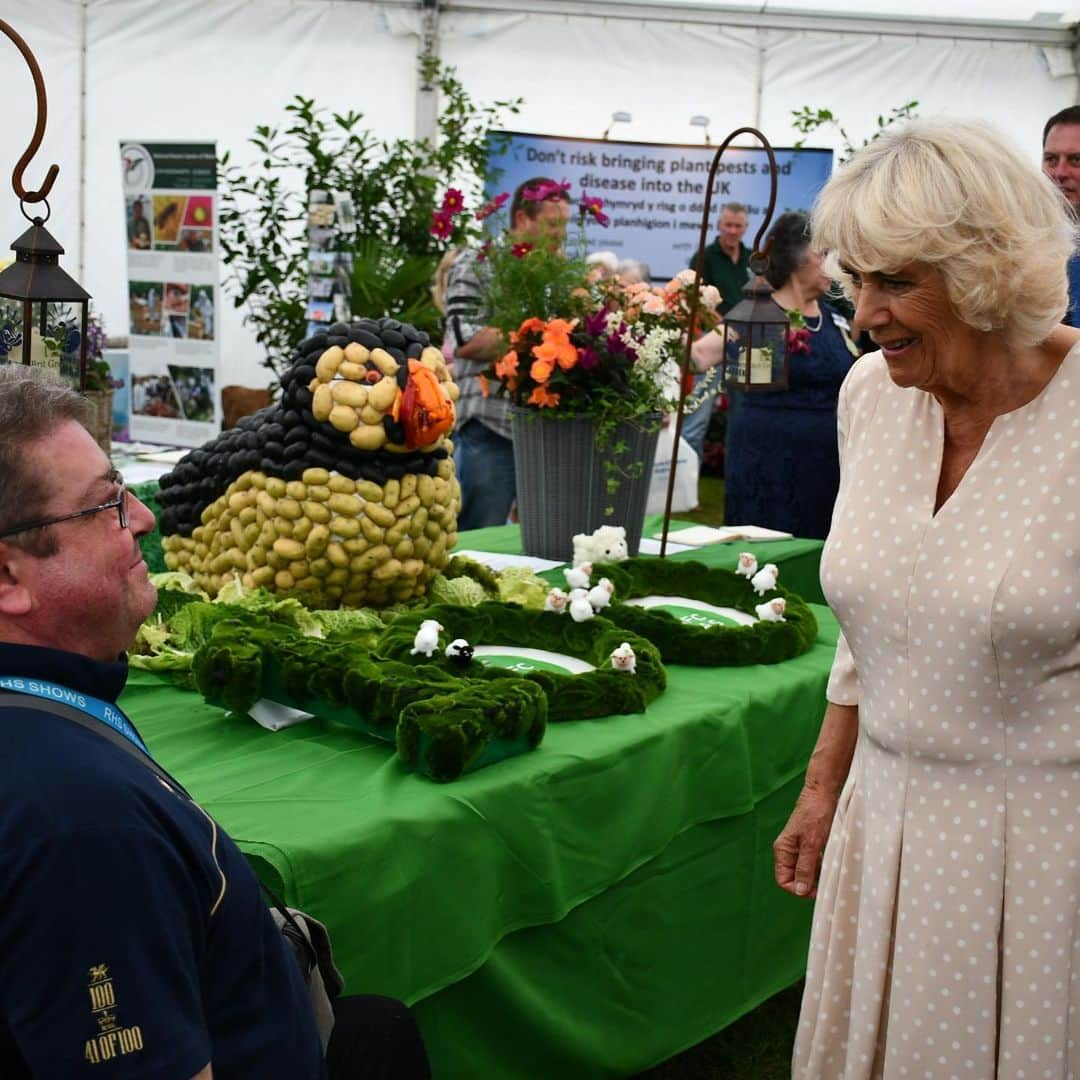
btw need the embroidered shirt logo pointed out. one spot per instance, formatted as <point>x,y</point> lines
<point>112,1039</point>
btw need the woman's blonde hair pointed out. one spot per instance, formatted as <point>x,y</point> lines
<point>957,196</point>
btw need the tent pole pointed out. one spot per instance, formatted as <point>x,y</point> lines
<point>427,92</point>
<point>82,141</point>
<point>759,88</point>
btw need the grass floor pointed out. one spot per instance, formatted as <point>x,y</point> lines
<point>710,509</point>
<point>758,1046</point>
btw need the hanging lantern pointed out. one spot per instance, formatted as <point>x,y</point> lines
<point>756,355</point>
<point>47,325</point>
<point>54,308</point>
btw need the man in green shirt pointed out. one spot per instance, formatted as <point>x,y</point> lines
<point>727,266</point>
<point>727,258</point>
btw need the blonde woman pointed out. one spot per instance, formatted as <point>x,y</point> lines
<point>946,779</point>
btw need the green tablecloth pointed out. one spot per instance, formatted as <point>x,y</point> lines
<point>584,910</point>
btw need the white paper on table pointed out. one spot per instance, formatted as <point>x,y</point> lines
<point>501,562</point>
<point>274,716</point>
<point>648,546</point>
<point>139,472</point>
<point>698,535</point>
<point>166,457</point>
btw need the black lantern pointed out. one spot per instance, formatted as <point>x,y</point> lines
<point>48,327</point>
<point>756,338</point>
<point>49,333</point>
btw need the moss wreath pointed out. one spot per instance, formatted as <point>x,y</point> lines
<point>443,724</point>
<point>602,692</point>
<point>715,646</point>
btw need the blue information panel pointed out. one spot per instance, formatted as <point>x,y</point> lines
<point>654,193</point>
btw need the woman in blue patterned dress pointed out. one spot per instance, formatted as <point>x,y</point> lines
<point>781,466</point>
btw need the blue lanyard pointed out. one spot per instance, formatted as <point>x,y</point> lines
<point>101,710</point>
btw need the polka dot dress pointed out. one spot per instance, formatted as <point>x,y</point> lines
<point>946,938</point>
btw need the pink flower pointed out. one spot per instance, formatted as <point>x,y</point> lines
<point>482,255</point>
<point>798,342</point>
<point>592,204</point>
<point>653,305</point>
<point>545,190</point>
<point>453,202</point>
<point>442,224</point>
<point>519,251</point>
<point>492,207</point>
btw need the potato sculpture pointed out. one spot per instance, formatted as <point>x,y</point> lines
<point>343,493</point>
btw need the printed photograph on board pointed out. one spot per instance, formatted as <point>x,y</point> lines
<point>139,234</point>
<point>200,325</point>
<point>168,213</point>
<point>154,395</point>
<point>177,297</point>
<point>195,387</point>
<point>144,304</point>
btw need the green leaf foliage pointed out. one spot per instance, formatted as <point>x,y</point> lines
<point>394,185</point>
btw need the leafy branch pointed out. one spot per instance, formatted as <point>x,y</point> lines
<point>393,184</point>
<point>807,120</point>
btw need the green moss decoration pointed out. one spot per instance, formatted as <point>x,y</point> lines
<point>602,692</point>
<point>716,646</point>
<point>444,723</point>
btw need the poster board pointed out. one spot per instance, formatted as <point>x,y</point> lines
<point>171,227</point>
<point>654,193</point>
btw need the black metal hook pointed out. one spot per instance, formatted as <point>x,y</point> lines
<point>758,261</point>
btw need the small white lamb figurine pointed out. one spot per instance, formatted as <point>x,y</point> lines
<point>765,579</point>
<point>606,544</point>
<point>601,593</point>
<point>747,564</point>
<point>427,638</point>
<point>578,576</point>
<point>772,610</point>
<point>460,651</point>
<point>580,608</point>
<point>623,659</point>
<point>556,601</point>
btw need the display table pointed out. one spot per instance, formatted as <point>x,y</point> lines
<point>584,910</point>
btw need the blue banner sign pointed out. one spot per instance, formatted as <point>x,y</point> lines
<point>654,193</point>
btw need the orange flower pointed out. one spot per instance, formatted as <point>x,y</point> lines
<point>527,327</point>
<point>543,397</point>
<point>507,366</point>
<point>541,369</point>
<point>556,348</point>
<point>559,326</point>
<point>485,386</point>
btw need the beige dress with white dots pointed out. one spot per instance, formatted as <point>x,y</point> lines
<point>946,938</point>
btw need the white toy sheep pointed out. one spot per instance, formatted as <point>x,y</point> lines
<point>427,638</point>
<point>577,577</point>
<point>765,579</point>
<point>772,610</point>
<point>747,564</point>
<point>556,601</point>
<point>623,659</point>
<point>600,594</point>
<point>460,651</point>
<point>580,608</point>
<point>606,544</point>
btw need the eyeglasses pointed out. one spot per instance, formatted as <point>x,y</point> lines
<point>119,504</point>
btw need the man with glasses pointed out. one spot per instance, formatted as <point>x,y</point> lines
<point>134,941</point>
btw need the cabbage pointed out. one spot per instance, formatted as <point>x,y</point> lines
<point>462,591</point>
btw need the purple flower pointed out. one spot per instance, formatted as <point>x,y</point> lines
<point>587,358</point>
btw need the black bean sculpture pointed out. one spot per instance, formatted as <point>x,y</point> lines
<point>343,493</point>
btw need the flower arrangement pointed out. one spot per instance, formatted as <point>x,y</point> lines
<point>577,344</point>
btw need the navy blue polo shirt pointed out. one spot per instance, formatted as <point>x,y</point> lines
<point>134,941</point>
